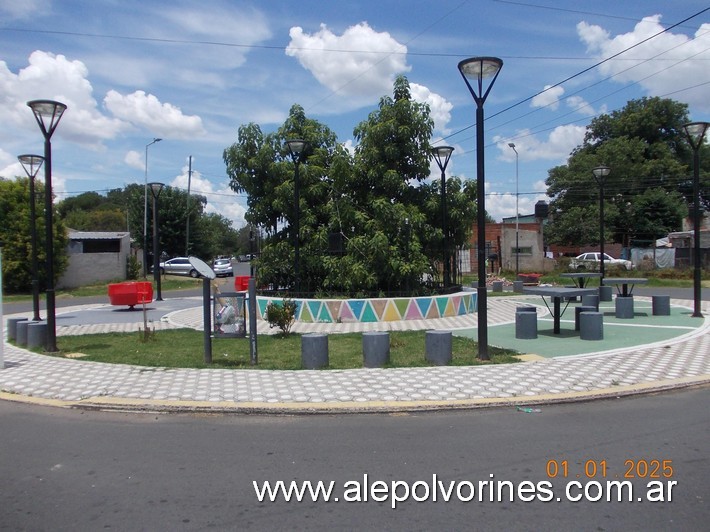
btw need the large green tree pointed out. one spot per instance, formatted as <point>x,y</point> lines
<point>647,192</point>
<point>368,220</point>
<point>15,234</point>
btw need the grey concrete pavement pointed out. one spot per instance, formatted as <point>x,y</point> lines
<point>680,361</point>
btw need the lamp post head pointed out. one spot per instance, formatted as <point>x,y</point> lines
<point>695,131</point>
<point>296,147</point>
<point>600,172</point>
<point>48,113</point>
<point>442,155</point>
<point>156,189</point>
<point>31,164</point>
<point>476,69</point>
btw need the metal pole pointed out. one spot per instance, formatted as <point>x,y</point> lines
<point>601,228</point>
<point>187,228</point>
<point>481,215</point>
<point>145,211</point>
<point>156,245</point>
<point>444,224</point>
<point>253,351</point>
<point>51,344</point>
<point>296,229</point>
<point>207,320</point>
<point>33,243</point>
<point>697,313</point>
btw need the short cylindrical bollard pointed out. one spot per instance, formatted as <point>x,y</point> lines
<point>438,347</point>
<point>12,327</point>
<point>578,311</point>
<point>497,286</point>
<point>661,305</point>
<point>36,334</point>
<point>375,349</point>
<point>525,324</point>
<point>591,326</point>
<point>605,293</point>
<point>591,300</point>
<point>314,351</point>
<point>21,333</point>
<point>518,287</point>
<point>624,307</point>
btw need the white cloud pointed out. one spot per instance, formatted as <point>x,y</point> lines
<point>580,105</point>
<point>671,64</point>
<point>25,8</point>
<point>550,97</point>
<point>364,73</point>
<point>501,206</point>
<point>439,106</point>
<point>557,147</point>
<point>145,110</point>
<point>135,160</point>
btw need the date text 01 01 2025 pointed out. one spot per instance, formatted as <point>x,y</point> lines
<point>636,468</point>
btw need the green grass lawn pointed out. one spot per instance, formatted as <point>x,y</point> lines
<point>184,348</point>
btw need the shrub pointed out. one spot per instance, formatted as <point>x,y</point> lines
<point>281,315</point>
<point>133,268</point>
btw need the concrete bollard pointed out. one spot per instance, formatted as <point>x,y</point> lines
<point>525,324</point>
<point>497,286</point>
<point>624,307</point>
<point>591,300</point>
<point>375,349</point>
<point>21,333</point>
<point>36,334</point>
<point>518,287</point>
<point>438,347</point>
<point>578,311</point>
<point>314,351</point>
<point>591,326</point>
<point>605,293</point>
<point>12,327</point>
<point>661,305</point>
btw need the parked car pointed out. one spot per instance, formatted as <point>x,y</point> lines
<point>178,266</point>
<point>223,268</point>
<point>590,261</point>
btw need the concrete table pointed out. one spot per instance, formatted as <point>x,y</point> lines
<point>581,279</point>
<point>557,294</point>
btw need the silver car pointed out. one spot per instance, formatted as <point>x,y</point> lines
<point>178,266</point>
<point>590,261</point>
<point>223,268</point>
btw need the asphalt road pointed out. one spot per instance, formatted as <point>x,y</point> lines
<point>81,470</point>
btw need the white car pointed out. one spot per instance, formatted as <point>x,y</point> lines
<point>590,261</point>
<point>223,267</point>
<point>178,266</point>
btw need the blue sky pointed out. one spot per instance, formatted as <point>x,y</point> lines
<point>192,72</point>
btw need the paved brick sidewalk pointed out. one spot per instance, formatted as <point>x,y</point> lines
<point>65,382</point>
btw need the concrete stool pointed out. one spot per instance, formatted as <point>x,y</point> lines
<point>21,333</point>
<point>518,287</point>
<point>314,351</point>
<point>525,325</point>
<point>36,334</point>
<point>624,307</point>
<point>497,286</point>
<point>375,349</point>
<point>605,293</point>
<point>661,305</point>
<point>591,326</point>
<point>591,300</point>
<point>12,327</point>
<point>579,310</point>
<point>438,347</point>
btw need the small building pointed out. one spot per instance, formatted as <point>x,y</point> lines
<point>94,257</point>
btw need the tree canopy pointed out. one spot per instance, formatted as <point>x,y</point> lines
<point>648,190</point>
<point>368,220</point>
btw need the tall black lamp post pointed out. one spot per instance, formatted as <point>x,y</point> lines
<point>696,134</point>
<point>474,71</point>
<point>517,214</point>
<point>48,113</point>
<point>442,155</point>
<point>600,173</point>
<point>155,190</point>
<point>296,148</point>
<point>31,165</point>
<point>145,210</point>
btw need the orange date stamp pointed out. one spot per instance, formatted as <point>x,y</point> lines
<point>639,468</point>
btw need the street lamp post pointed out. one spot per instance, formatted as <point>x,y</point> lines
<point>442,155</point>
<point>155,190</point>
<point>296,148</point>
<point>145,210</point>
<point>31,165</point>
<point>475,70</point>
<point>600,173</point>
<point>517,215</point>
<point>696,134</point>
<point>48,113</point>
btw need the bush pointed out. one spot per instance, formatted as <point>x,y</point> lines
<point>281,315</point>
<point>133,268</point>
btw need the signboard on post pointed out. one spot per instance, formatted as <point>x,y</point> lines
<point>229,313</point>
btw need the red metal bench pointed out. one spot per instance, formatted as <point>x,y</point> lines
<point>130,293</point>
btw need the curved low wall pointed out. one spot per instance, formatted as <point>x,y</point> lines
<point>378,309</point>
